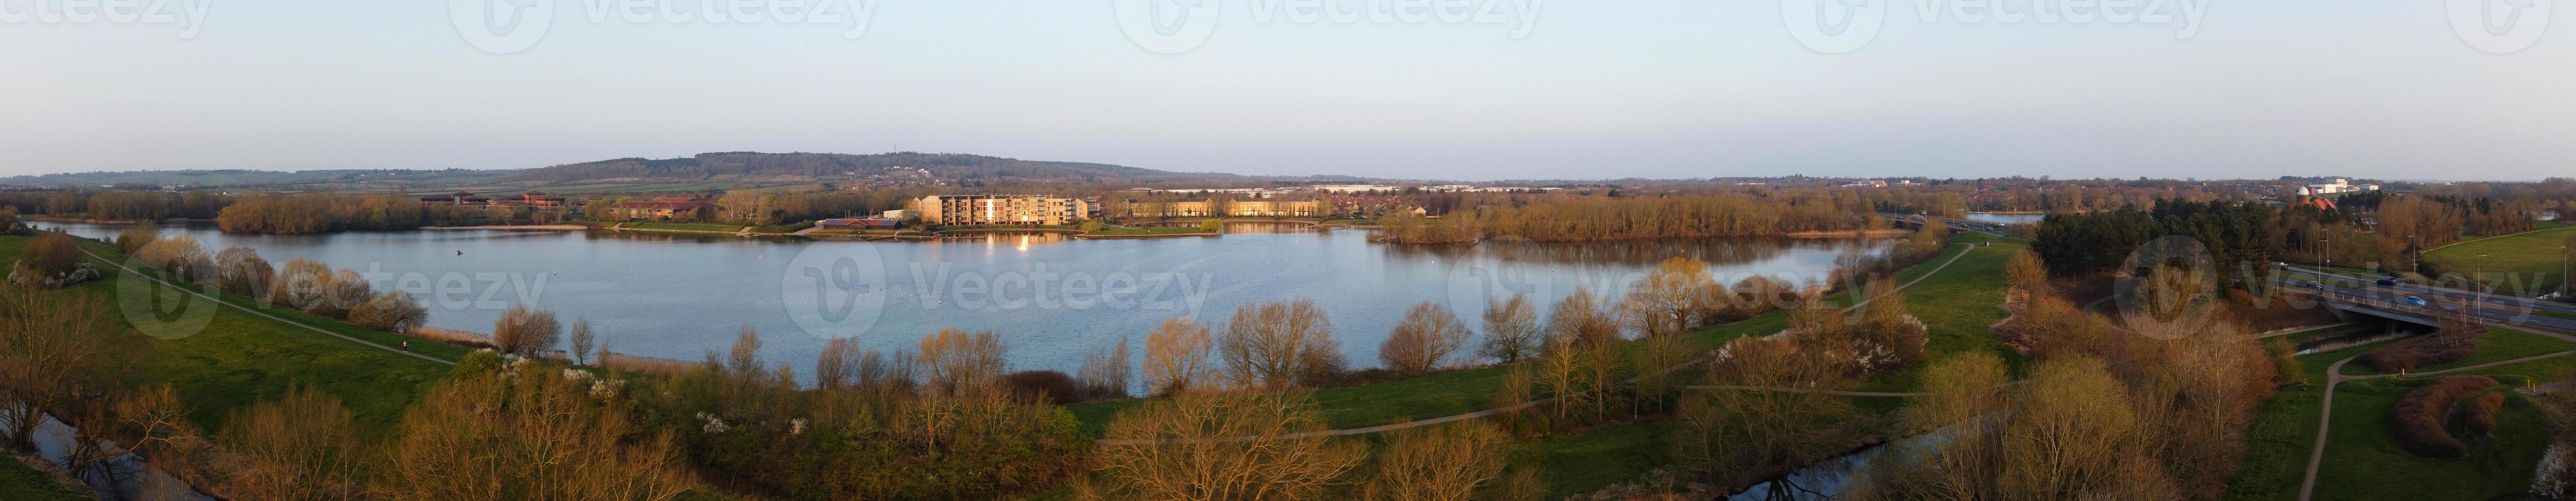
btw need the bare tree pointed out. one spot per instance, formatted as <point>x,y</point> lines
<point>1176,356</point>
<point>1176,449</point>
<point>1677,296</point>
<point>1275,345</point>
<point>240,270</point>
<point>832,369</point>
<point>1511,328</point>
<point>1105,371</point>
<point>1582,318</point>
<point>305,446</point>
<point>1428,334</point>
<point>962,363</point>
<point>582,341</point>
<point>51,350</point>
<point>523,331</point>
<point>1438,463</point>
<point>744,360</point>
<point>395,312</point>
<point>300,284</point>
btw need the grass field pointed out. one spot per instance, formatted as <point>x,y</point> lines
<point>727,228</point>
<point>240,358</point>
<point>2533,258</point>
<point>2362,458</point>
<point>2363,461</point>
<point>1957,305</point>
<point>2277,442</point>
<point>20,483</point>
<point>2496,345</point>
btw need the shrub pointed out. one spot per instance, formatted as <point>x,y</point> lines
<point>2417,419</point>
<point>51,261</point>
<point>396,312</point>
<point>1053,387</point>
<point>2423,351</point>
<point>2481,413</point>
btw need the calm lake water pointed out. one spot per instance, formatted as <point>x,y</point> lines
<point>2006,218</point>
<point>1052,298</point>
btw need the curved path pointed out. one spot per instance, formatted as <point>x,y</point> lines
<point>2334,376</point>
<point>201,294</point>
<point>1936,270</point>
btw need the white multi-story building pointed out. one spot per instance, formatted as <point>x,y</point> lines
<point>984,210</point>
<point>2340,185</point>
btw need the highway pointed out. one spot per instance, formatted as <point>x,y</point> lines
<point>2430,292</point>
<point>1954,223</point>
<point>2393,301</point>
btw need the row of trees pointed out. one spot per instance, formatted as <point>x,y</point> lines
<point>2238,236</point>
<point>117,204</point>
<point>1571,217</point>
<point>324,213</point>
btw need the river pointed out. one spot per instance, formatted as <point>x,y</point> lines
<point>1051,297</point>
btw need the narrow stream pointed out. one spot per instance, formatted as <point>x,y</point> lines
<point>127,477</point>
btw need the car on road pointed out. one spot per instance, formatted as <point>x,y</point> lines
<point>2312,284</point>
<point>2417,301</point>
<point>2388,281</point>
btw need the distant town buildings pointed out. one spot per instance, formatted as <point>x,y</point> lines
<point>1866,183</point>
<point>668,207</point>
<point>529,199</point>
<point>1205,207</point>
<point>1000,210</point>
<point>901,214</point>
<point>2340,185</point>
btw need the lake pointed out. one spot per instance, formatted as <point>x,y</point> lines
<point>1051,297</point>
<point>2006,217</point>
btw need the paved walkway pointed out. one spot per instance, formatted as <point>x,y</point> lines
<point>2335,376</point>
<point>193,292</point>
<point>1936,270</point>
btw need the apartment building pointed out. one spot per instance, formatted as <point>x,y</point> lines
<point>1265,207</point>
<point>1003,210</point>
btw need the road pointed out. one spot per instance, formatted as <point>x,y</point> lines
<point>2500,299</point>
<point>2512,313</point>
<point>1956,224</point>
<point>2334,376</point>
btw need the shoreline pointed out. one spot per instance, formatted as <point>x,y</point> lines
<point>572,227</point>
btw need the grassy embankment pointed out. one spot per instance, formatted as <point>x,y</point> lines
<point>2533,258</point>
<point>241,357</point>
<point>2363,460</point>
<point>1957,305</point>
<point>20,483</point>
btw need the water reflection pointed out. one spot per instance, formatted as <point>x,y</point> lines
<point>677,295</point>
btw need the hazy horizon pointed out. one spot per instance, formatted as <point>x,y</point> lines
<point>1604,90</point>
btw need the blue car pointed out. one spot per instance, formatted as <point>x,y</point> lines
<point>2417,301</point>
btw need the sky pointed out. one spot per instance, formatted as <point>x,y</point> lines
<point>1430,89</point>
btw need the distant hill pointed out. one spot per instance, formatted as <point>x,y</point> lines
<point>754,167</point>
<point>244,178</point>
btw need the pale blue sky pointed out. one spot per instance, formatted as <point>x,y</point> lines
<point>1597,89</point>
